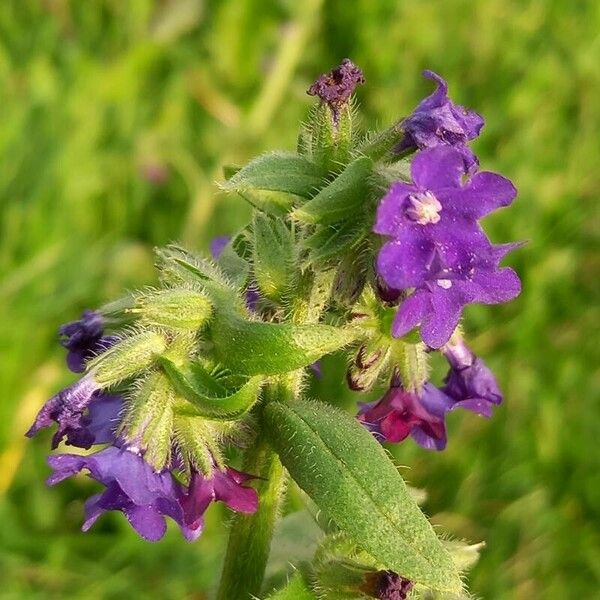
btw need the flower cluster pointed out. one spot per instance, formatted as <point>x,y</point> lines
<point>87,416</point>
<point>435,260</point>
<point>421,413</point>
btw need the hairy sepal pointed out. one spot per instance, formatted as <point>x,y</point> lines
<point>352,480</point>
<point>296,589</point>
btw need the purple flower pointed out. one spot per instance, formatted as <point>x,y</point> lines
<point>67,408</point>
<point>401,413</point>
<point>336,87</point>
<point>470,383</point>
<point>84,339</point>
<point>438,121</point>
<point>223,485</point>
<point>437,245</point>
<point>146,497</point>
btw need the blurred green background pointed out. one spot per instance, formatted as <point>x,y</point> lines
<point>116,118</point>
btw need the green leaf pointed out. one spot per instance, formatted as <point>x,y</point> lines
<point>342,198</point>
<point>280,172</point>
<point>273,255</point>
<point>332,241</point>
<point>253,347</point>
<point>192,385</point>
<point>349,476</point>
<point>296,589</point>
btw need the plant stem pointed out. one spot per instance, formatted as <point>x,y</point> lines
<point>250,535</point>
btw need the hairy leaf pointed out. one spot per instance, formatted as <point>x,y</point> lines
<point>342,198</point>
<point>192,386</point>
<point>253,347</point>
<point>296,589</point>
<point>280,172</point>
<point>347,473</point>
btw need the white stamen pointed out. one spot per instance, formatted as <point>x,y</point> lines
<point>424,208</point>
<point>444,283</point>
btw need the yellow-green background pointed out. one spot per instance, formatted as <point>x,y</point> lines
<point>97,97</point>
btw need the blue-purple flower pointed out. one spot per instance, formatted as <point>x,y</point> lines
<point>438,121</point>
<point>84,339</point>
<point>68,408</point>
<point>146,497</point>
<point>470,383</point>
<point>336,86</point>
<point>437,247</point>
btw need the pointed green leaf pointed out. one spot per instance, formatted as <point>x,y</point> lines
<point>280,172</point>
<point>253,347</point>
<point>192,386</point>
<point>349,476</point>
<point>342,198</point>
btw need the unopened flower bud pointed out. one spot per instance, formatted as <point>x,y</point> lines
<point>368,363</point>
<point>386,585</point>
<point>181,309</point>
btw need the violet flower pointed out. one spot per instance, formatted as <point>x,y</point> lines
<point>67,408</point>
<point>146,497</point>
<point>335,87</point>
<point>217,245</point>
<point>84,339</point>
<point>422,414</point>
<point>470,383</point>
<point>438,247</point>
<point>438,121</point>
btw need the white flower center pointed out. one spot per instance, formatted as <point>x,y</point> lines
<point>423,208</point>
<point>444,283</point>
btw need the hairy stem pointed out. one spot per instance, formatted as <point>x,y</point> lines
<point>250,535</point>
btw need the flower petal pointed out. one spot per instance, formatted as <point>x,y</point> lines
<point>404,263</point>
<point>410,313</point>
<point>390,218</point>
<point>438,168</point>
<point>443,318</point>
<point>484,193</point>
